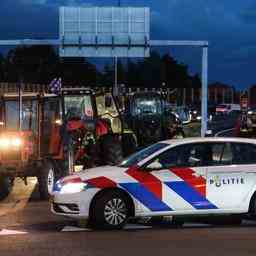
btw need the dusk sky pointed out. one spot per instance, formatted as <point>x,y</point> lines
<point>229,26</point>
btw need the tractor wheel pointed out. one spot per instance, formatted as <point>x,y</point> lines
<point>46,180</point>
<point>111,150</point>
<point>129,144</point>
<point>5,187</point>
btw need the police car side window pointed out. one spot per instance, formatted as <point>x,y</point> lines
<point>165,160</point>
<point>227,157</point>
<point>244,153</point>
<point>189,155</point>
<point>206,154</point>
<point>193,155</point>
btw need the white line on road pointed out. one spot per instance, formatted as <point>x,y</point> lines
<point>134,226</point>
<point>127,227</point>
<point>7,232</point>
<point>74,229</point>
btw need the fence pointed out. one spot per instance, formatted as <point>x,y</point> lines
<point>178,96</point>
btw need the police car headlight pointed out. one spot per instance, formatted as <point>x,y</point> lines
<point>71,186</point>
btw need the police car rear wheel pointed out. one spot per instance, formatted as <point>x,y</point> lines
<point>111,211</point>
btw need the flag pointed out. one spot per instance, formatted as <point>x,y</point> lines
<point>55,86</point>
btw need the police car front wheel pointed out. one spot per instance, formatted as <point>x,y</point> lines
<point>110,211</point>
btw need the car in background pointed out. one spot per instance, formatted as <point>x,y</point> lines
<point>224,109</point>
<point>192,177</point>
<point>183,113</point>
<point>196,116</point>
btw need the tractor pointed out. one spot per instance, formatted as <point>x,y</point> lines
<point>58,135</point>
<point>148,116</point>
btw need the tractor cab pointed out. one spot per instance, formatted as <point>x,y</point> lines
<point>90,106</point>
<point>18,139</point>
<point>27,122</point>
<point>149,118</point>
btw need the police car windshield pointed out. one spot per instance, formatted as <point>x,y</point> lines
<point>142,154</point>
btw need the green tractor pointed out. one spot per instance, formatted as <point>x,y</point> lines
<point>148,116</point>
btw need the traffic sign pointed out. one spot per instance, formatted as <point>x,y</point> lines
<point>104,31</point>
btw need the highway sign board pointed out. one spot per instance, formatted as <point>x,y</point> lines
<point>104,31</point>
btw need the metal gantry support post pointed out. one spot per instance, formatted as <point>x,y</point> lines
<point>204,95</point>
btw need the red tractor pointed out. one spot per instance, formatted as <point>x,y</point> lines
<point>59,133</point>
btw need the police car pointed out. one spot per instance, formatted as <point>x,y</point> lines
<point>196,176</point>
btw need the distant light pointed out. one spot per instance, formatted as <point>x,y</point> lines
<point>58,122</point>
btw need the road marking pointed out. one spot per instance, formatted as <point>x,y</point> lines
<point>135,226</point>
<point>74,229</point>
<point>126,227</point>
<point>7,232</point>
<point>195,225</point>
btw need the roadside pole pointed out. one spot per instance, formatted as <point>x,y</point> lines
<point>115,89</point>
<point>20,104</point>
<point>204,97</point>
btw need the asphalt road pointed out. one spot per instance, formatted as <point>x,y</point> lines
<point>28,228</point>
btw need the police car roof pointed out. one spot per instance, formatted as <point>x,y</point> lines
<point>176,142</point>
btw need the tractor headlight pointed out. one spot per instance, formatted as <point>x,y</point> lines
<point>16,142</point>
<point>10,143</point>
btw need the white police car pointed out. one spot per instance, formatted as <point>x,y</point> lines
<point>178,177</point>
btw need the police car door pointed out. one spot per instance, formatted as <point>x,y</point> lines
<point>228,178</point>
<point>183,178</point>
